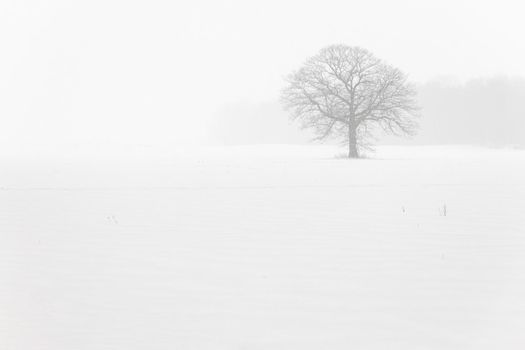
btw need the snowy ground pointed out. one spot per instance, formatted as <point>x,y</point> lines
<point>270,247</point>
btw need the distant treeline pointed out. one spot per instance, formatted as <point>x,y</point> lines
<point>483,111</point>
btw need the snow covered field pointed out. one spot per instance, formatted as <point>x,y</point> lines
<point>265,247</point>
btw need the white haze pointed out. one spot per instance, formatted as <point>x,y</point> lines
<point>154,195</point>
<point>114,74</point>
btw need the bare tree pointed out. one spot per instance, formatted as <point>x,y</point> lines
<point>348,93</point>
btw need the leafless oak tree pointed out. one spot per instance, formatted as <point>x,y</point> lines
<point>348,93</point>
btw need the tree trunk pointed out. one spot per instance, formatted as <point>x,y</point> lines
<point>352,142</point>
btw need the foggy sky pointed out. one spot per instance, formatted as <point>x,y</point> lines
<point>163,72</point>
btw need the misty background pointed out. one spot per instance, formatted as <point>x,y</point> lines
<point>487,112</point>
<point>116,75</point>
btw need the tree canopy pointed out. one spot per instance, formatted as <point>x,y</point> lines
<point>348,93</point>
